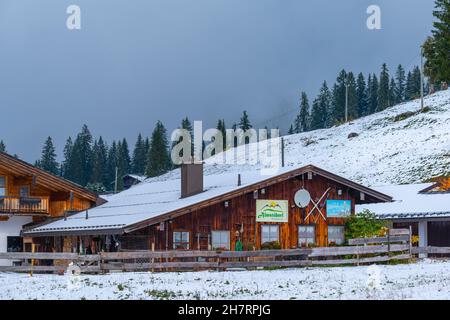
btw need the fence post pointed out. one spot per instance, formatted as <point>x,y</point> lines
<point>33,249</point>
<point>153,259</point>
<point>389,242</point>
<point>410,241</point>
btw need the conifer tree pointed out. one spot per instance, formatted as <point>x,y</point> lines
<point>100,175</point>
<point>81,157</point>
<point>48,158</point>
<point>409,91</point>
<point>400,84</point>
<point>383,89</point>
<point>392,96</point>
<point>112,165</point>
<point>437,47</point>
<point>139,159</point>
<point>301,123</point>
<point>352,97</point>
<point>66,169</point>
<point>244,123</point>
<point>291,130</point>
<point>373,94</point>
<point>317,115</point>
<point>2,146</point>
<point>339,98</point>
<point>158,159</point>
<point>222,128</point>
<point>361,96</point>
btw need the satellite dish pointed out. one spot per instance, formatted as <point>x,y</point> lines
<point>302,198</point>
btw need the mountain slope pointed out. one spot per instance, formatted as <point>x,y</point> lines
<point>396,146</point>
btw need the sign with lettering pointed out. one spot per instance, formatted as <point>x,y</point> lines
<point>339,208</point>
<point>272,210</point>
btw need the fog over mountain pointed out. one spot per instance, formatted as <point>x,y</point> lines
<point>136,62</point>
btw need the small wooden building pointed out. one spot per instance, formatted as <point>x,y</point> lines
<point>425,207</point>
<point>228,211</point>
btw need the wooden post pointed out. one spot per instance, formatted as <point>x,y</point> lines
<point>410,241</point>
<point>153,259</point>
<point>389,242</point>
<point>33,250</point>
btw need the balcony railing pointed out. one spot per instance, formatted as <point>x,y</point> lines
<point>24,205</point>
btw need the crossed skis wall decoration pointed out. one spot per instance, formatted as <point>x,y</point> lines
<point>316,206</point>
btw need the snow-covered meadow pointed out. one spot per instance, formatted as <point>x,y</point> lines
<point>427,279</point>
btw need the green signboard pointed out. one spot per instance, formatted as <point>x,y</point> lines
<point>272,210</point>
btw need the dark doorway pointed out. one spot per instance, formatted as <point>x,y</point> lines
<point>439,233</point>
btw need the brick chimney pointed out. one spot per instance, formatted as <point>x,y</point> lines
<point>191,179</point>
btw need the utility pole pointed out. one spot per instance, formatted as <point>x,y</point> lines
<point>421,80</point>
<point>115,180</point>
<point>346,100</point>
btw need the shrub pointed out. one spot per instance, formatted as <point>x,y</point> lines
<point>274,245</point>
<point>364,225</point>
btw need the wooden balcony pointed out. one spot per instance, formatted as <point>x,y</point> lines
<point>24,205</point>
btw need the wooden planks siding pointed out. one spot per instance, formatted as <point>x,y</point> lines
<point>242,210</point>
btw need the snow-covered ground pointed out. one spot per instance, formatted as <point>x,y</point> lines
<point>427,279</point>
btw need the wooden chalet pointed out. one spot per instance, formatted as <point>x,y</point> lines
<point>30,196</point>
<point>227,211</point>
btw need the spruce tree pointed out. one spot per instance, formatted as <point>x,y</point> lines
<point>81,157</point>
<point>158,159</point>
<point>48,158</point>
<point>124,157</point>
<point>437,47</point>
<point>383,89</point>
<point>409,91</point>
<point>100,176</point>
<point>291,130</point>
<point>361,96</point>
<point>244,123</point>
<point>317,115</point>
<point>339,99</point>
<point>222,128</point>
<point>352,97</point>
<point>373,94</point>
<point>66,166</point>
<point>139,159</point>
<point>400,84</point>
<point>302,120</point>
<point>2,146</point>
<point>112,165</point>
<point>392,96</point>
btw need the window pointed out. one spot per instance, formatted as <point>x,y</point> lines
<point>24,192</point>
<point>306,235</point>
<point>336,234</point>
<point>181,240</point>
<point>269,233</point>
<point>14,244</point>
<point>220,239</point>
<point>2,186</point>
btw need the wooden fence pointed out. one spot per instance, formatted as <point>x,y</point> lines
<point>395,246</point>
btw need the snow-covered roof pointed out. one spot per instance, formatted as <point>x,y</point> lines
<point>409,203</point>
<point>136,177</point>
<point>161,195</point>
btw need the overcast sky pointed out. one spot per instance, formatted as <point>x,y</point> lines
<point>136,62</point>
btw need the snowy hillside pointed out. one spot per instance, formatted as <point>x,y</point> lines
<point>398,145</point>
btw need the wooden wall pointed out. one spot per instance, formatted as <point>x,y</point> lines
<point>242,210</point>
<point>59,202</point>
